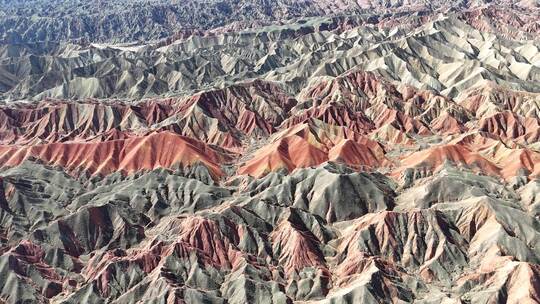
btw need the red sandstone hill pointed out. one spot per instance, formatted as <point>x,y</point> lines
<point>434,158</point>
<point>165,149</point>
<point>512,126</point>
<point>310,144</point>
<point>390,156</point>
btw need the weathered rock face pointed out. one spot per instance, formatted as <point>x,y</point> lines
<point>441,49</point>
<point>40,21</point>
<point>388,153</point>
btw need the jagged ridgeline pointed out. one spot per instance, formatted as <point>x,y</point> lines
<point>269,152</point>
<point>127,21</point>
<point>448,53</point>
